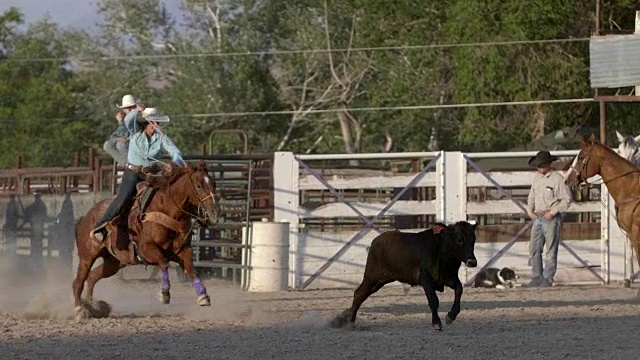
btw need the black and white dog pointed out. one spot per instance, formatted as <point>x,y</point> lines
<point>496,278</point>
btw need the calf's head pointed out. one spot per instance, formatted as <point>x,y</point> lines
<point>463,240</point>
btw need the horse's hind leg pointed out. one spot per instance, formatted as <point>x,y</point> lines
<point>635,243</point>
<point>108,268</point>
<point>186,262</point>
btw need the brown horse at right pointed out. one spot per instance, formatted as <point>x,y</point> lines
<point>622,179</point>
<point>157,231</point>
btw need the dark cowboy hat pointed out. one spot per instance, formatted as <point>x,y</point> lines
<point>542,158</point>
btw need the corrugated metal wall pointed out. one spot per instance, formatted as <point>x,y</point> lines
<point>615,61</point>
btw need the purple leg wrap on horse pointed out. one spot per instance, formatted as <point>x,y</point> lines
<point>200,289</point>
<point>165,280</point>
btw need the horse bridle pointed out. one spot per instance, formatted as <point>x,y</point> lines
<point>583,169</point>
<point>585,163</point>
<point>200,202</point>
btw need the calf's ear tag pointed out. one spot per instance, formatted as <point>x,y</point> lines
<point>437,228</point>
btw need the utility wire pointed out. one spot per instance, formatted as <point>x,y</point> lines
<point>302,51</point>
<point>365,109</point>
<point>390,108</point>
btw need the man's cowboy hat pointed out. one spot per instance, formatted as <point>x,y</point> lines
<point>152,114</point>
<point>542,158</point>
<point>127,101</point>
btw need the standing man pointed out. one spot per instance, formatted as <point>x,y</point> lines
<point>548,199</point>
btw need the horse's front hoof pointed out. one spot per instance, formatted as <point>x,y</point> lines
<point>81,313</point>
<point>204,300</point>
<point>437,327</point>
<point>165,297</point>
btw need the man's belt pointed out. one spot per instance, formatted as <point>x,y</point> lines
<point>142,169</point>
<point>134,168</point>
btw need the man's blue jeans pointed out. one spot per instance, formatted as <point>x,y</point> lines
<point>545,235</point>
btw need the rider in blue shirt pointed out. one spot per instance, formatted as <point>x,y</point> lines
<point>145,148</point>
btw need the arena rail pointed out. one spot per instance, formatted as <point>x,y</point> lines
<point>326,259</point>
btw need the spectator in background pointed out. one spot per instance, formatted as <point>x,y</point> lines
<point>36,215</point>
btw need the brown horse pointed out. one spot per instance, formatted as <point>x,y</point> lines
<point>622,179</point>
<point>155,235</point>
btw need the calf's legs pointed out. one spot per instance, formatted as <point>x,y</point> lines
<point>370,286</point>
<point>455,308</point>
<point>367,288</point>
<point>433,301</point>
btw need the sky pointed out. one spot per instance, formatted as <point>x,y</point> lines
<point>66,13</point>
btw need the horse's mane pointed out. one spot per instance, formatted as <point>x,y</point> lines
<point>611,152</point>
<point>629,141</point>
<point>167,178</point>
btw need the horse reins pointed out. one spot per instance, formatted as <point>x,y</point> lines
<point>585,163</point>
<point>201,202</point>
<point>211,195</point>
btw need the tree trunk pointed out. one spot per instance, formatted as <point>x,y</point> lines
<point>347,134</point>
<point>539,122</point>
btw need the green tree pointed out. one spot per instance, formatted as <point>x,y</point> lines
<point>217,83</point>
<point>38,99</point>
<point>515,72</point>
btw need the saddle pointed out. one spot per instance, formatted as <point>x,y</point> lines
<point>128,225</point>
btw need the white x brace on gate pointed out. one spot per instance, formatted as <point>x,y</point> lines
<point>451,181</point>
<point>521,232</point>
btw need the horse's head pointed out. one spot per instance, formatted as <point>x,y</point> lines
<point>194,187</point>
<point>628,147</point>
<point>202,192</point>
<point>587,164</point>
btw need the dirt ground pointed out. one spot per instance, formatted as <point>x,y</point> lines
<point>594,322</point>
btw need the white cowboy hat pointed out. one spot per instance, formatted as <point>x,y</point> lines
<point>152,114</point>
<point>127,101</point>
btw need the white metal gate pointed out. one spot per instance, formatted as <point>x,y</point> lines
<point>451,182</point>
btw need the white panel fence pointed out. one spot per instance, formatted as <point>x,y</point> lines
<point>336,259</point>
